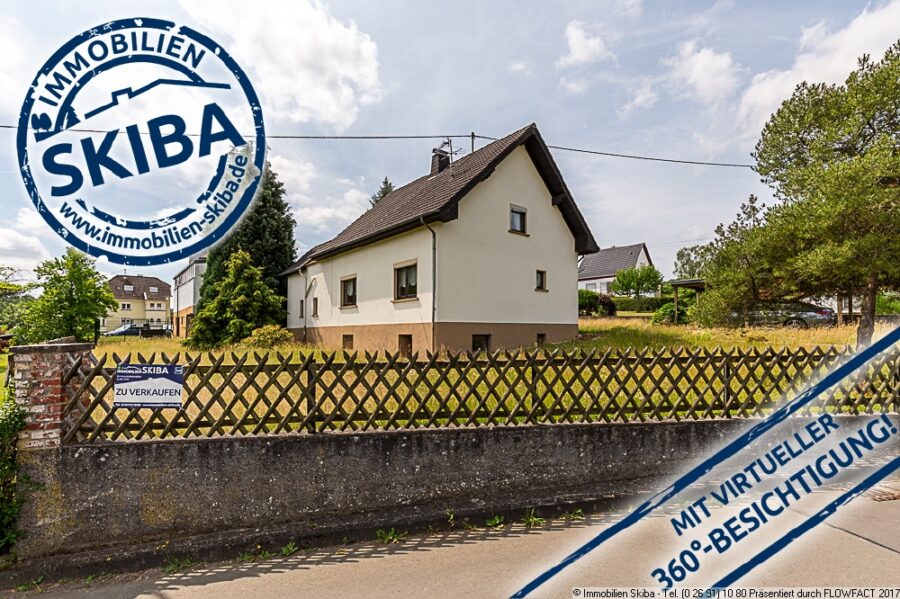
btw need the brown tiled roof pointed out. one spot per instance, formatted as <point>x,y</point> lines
<point>609,261</point>
<point>141,289</point>
<point>434,197</point>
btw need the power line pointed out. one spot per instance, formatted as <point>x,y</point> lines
<point>638,157</point>
<point>459,136</point>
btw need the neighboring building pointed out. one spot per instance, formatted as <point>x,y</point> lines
<point>143,302</point>
<point>598,270</point>
<point>187,294</point>
<point>480,252</point>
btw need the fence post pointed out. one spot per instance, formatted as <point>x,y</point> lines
<point>41,391</point>
<point>312,381</point>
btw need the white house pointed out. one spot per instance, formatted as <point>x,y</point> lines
<point>598,270</point>
<point>479,253</point>
<point>187,294</point>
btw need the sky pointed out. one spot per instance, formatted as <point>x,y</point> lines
<point>675,79</point>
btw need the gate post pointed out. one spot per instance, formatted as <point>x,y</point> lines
<point>38,373</point>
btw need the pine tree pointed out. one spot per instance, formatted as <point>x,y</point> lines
<point>240,303</point>
<point>386,188</point>
<point>266,233</point>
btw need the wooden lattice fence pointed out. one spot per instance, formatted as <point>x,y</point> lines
<point>274,393</point>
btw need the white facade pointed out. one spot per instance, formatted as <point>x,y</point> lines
<point>373,267</point>
<point>601,284</point>
<point>487,274</point>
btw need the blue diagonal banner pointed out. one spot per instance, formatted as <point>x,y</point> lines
<point>728,451</point>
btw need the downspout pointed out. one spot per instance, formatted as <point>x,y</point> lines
<point>306,307</point>
<point>433,279</point>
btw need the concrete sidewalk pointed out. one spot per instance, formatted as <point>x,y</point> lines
<point>858,546</point>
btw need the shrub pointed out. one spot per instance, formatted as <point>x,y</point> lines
<point>268,337</point>
<point>641,304</point>
<point>887,303</point>
<point>606,305</point>
<point>11,422</point>
<point>588,302</point>
<point>666,315</point>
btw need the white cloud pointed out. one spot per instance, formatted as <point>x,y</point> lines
<point>21,251</point>
<point>319,214</point>
<point>30,222</point>
<point>628,8</point>
<point>309,66</point>
<point>643,96</point>
<point>16,50</point>
<point>584,48</point>
<point>574,86</point>
<point>823,57</point>
<point>519,67</point>
<point>708,75</point>
<point>331,214</point>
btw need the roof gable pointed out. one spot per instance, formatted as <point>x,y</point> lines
<point>140,287</point>
<point>435,197</point>
<point>609,261</point>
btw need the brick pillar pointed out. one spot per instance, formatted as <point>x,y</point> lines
<point>38,372</point>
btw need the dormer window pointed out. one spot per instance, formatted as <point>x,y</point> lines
<point>154,290</point>
<point>517,219</point>
<point>129,287</point>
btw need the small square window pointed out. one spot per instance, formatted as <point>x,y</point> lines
<point>154,290</point>
<point>405,284</point>
<point>129,287</point>
<point>481,343</point>
<point>405,345</point>
<point>517,219</point>
<point>541,338</point>
<point>348,293</point>
<point>347,341</point>
<point>315,306</point>
<point>540,281</point>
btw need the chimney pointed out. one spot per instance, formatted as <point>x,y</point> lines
<point>440,159</point>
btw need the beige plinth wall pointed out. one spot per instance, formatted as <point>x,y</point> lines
<point>458,335</point>
<point>370,337</point>
<point>454,336</point>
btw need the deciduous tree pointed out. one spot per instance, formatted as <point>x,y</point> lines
<point>75,296</point>
<point>637,281</point>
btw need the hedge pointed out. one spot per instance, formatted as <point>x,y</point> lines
<point>640,304</point>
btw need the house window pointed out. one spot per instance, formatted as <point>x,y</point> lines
<point>126,306</point>
<point>347,341</point>
<point>540,280</point>
<point>591,286</point>
<point>405,282</point>
<point>300,315</point>
<point>315,306</point>
<point>404,344</point>
<point>541,338</point>
<point>154,290</point>
<point>517,219</point>
<point>348,293</point>
<point>129,287</point>
<point>481,343</point>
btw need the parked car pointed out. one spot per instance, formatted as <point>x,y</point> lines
<point>798,315</point>
<point>134,330</point>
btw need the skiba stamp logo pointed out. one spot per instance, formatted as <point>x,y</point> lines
<point>142,141</point>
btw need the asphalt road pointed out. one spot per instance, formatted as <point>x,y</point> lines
<point>858,546</point>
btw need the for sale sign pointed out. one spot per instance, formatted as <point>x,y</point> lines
<point>148,386</point>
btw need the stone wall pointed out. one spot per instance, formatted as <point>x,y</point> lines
<point>191,494</point>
